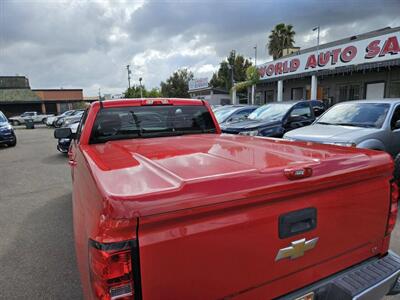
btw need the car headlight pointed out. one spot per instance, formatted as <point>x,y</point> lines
<point>345,144</point>
<point>251,132</point>
<point>6,127</point>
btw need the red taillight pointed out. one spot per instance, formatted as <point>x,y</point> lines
<point>394,197</point>
<point>111,270</point>
<point>155,102</point>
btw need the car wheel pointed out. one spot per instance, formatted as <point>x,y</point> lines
<point>16,123</point>
<point>12,144</point>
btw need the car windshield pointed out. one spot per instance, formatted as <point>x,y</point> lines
<point>67,113</point>
<point>223,113</point>
<point>3,119</point>
<point>150,121</point>
<point>356,114</point>
<point>272,112</point>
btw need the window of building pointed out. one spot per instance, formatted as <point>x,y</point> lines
<point>269,96</point>
<point>325,93</point>
<point>394,89</point>
<point>354,92</point>
<point>349,92</point>
<point>297,93</point>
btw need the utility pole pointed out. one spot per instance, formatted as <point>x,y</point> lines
<point>129,76</point>
<point>99,95</point>
<point>255,55</point>
<point>232,67</point>
<point>140,85</point>
<point>253,87</point>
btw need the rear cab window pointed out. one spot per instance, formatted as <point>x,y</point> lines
<point>150,121</point>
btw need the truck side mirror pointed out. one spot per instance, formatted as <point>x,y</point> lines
<point>63,133</point>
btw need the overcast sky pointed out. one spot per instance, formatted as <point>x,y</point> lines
<point>87,44</point>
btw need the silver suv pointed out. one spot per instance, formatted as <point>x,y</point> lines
<point>371,124</point>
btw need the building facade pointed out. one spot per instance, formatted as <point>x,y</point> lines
<point>213,96</point>
<point>55,101</point>
<point>365,66</point>
<point>16,97</point>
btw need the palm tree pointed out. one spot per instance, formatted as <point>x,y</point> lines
<point>281,37</point>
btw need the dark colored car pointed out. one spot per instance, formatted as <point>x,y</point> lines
<point>7,134</point>
<point>63,144</point>
<point>233,113</point>
<point>318,106</point>
<point>274,119</point>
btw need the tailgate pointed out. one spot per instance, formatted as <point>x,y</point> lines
<point>228,251</point>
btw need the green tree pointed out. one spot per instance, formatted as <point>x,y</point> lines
<point>134,92</point>
<point>177,85</point>
<point>281,37</point>
<point>252,77</point>
<point>235,65</point>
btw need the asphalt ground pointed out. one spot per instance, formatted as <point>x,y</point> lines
<point>37,258</point>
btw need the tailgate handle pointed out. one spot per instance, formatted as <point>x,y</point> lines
<point>297,222</point>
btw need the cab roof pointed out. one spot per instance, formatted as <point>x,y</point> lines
<point>149,101</point>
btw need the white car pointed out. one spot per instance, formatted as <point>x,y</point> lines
<point>37,118</point>
<point>51,120</point>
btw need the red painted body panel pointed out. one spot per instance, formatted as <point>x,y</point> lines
<point>207,207</point>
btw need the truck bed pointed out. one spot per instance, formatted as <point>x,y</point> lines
<point>210,207</point>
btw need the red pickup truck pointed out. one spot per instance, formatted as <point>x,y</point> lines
<point>167,207</point>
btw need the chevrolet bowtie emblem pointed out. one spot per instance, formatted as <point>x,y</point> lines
<point>297,249</point>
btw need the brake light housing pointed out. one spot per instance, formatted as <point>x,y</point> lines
<point>156,102</point>
<point>113,267</point>
<point>393,208</point>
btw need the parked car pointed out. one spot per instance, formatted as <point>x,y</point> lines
<point>7,134</point>
<point>273,119</point>
<point>233,113</point>
<point>74,115</point>
<point>167,207</point>
<point>51,120</point>
<point>33,115</point>
<point>318,106</point>
<point>63,144</point>
<point>371,124</point>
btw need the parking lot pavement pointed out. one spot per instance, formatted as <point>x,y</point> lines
<point>37,259</point>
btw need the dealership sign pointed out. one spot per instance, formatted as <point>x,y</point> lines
<point>198,83</point>
<point>374,49</point>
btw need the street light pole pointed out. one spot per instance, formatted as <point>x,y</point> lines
<point>317,29</point>
<point>129,76</point>
<point>140,85</point>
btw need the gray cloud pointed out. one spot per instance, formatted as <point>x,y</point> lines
<point>88,43</point>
